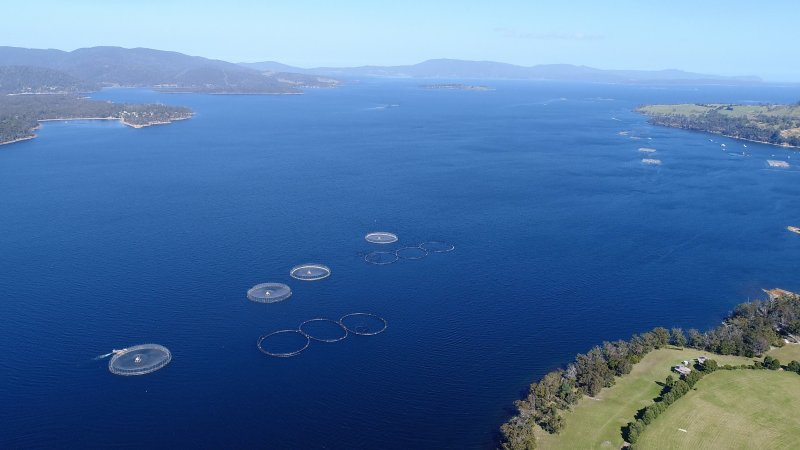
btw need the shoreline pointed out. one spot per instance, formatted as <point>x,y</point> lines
<point>119,119</point>
<point>150,124</point>
<point>743,139</point>
<point>727,136</point>
<point>14,141</point>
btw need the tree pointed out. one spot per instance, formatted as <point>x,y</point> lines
<point>793,327</point>
<point>554,423</point>
<point>772,363</point>
<point>593,373</point>
<point>634,430</point>
<point>650,414</point>
<point>518,434</point>
<point>678,339</point>
<point>679,388</point>
<point>695,339</point>
<point>794,366</point>
<point>710,365</point>
<point>661,337</point>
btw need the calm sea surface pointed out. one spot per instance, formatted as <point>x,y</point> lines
<point>111,237</point>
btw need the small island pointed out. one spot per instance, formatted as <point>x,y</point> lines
<point>457,87</point>
<point>768,124</point>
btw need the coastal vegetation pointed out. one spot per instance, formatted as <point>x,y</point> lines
<point>572,400</point>
<point>772,124</point>
<point>20,114</point>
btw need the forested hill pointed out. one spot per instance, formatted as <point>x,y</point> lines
<point>772,124</point>
<point>172,71</point>
<point>40,80</point>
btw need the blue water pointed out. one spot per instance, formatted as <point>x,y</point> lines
<point>113,237</point>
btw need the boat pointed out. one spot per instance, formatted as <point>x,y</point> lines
<point>794,229</point>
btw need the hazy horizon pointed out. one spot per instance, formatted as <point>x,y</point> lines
<point>721,39</point>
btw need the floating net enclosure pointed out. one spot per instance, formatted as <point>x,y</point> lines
<point>323,330</point>
<point>437,247</point>
<point>380,258</point>
<point>139,360</point>
<point>310,272</point>
<point>283,343</point>
<point>381,237</point>
<point>269,293</point>
<point>411,253</point>
<point>364,324</point>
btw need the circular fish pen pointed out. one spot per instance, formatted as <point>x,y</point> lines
<point>381,258</point>
<point>381,237</point>
<point>283,334</point>
<point>411,253</point>
<point>310,272</point>
<point>139,360</point>
<point>437,247</point>
<point>269,293</point>
<point>306,329</point>
<point>363,324</point>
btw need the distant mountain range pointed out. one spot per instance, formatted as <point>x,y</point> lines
<point>485,70</point>
<point>142,67</point>
<point>25,70</point>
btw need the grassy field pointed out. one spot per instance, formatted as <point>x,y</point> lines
<point>596,422</point>
<point>740,409</point>
<point>786,353</point>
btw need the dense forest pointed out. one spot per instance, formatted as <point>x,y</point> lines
<point>749,331</point>
<point>773,124</point>
<point>19,114</point>
<point>40,80</point>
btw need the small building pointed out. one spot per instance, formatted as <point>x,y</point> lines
<point>701,359</point>
<point>681,369</point>
<point>685,363</point>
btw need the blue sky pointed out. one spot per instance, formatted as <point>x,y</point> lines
<point>732,38</point>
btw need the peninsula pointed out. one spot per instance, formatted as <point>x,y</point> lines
<point>643,389</point>
<point>20,114</point>
<point>769,124</point>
